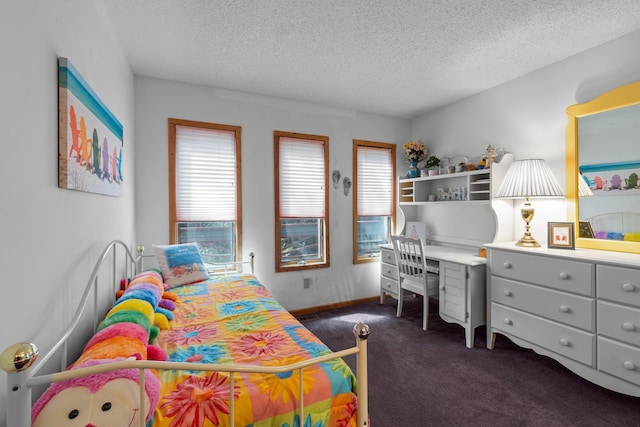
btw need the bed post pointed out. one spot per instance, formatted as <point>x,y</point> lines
<point>16,361</point>
<point>361,331</point>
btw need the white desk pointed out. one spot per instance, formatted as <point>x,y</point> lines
<point>462,284</point>
<point>451,254</point>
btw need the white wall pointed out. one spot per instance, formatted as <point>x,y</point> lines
<point>51,237</point>
<point>158,100</point>
<point>526,116</point>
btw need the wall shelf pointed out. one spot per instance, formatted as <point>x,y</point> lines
<point>477,185</point>
<point>478,218</point>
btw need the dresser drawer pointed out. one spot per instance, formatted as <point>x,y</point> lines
<point>570,309</point>
<point>389,285</point>
<point>620,360</point>
<point>564,340</point>
<point>621,323</point>
<point>562,274</point>
<point>618,284</point>
<point>388,256</point>
<point>389,270</point>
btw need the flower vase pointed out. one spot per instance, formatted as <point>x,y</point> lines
<point>413,170</point>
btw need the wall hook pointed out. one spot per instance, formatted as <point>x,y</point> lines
<point>346,183</point>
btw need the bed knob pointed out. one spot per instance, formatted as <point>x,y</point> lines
<point>361,330</point>
<point>18,357</point>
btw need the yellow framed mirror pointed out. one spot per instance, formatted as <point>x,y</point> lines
<point>603,150</point>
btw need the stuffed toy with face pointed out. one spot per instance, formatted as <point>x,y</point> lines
<point>98,400</point>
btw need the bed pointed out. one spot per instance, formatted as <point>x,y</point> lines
<point>218,351</point>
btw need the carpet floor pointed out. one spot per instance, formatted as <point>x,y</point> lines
<point>430,378</point>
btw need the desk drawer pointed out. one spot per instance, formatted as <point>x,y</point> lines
<point>389,270</point>
<point>562,274</point>
<point>618,322</point>
<point>388,256</point>
<point>389,285</point>
<point>567,341</point>
<point>570,309</point>
<point>620,360</point>
<point>618,284</point>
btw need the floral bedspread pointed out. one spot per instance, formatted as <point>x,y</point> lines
<point>236,320</point>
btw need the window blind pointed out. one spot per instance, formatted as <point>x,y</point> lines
<point>301,178</point>
<point>375,181</point>
<point>205,174</point>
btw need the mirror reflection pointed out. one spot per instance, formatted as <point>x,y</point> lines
<point>609,163</point>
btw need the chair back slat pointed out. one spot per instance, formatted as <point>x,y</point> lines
<point>410,257</point>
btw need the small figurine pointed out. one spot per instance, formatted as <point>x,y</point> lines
<point>490,156</point>
<point>482,163</point>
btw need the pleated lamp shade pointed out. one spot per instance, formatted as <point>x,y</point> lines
<point>529,178</point>
<point>583,188</point>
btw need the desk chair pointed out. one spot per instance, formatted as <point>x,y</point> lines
<point>412,274</point>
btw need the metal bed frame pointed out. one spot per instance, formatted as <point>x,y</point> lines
<point>22,363</point>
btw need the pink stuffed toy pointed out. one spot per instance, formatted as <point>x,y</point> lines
<point>106,399</point>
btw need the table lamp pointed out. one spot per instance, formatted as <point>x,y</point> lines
<point>525,179</point>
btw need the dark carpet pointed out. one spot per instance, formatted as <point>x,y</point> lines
<point>430,378</point>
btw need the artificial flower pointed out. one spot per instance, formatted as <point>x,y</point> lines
<point>415,151</point>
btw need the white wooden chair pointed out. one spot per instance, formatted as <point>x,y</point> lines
<point>412,274</point>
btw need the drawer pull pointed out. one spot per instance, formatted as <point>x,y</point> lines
<point>506,264</point>
<point>388,271</point>
<point>508,322</point>
<point>628,326</point>
<point>563,308</point>
<point>564,342</point>
<point>628,287</point>
<point>507,293</point>
<point>628,364</point>
<point>563,276</point>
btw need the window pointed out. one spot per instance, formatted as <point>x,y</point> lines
<point>373,198</point>
<point>204,188</point>
<point>301,201</point>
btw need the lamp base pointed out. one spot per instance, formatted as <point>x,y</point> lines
<point>528,241</point>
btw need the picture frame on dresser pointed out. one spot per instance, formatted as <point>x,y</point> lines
<point>585,230</point>
<point>561,235</point>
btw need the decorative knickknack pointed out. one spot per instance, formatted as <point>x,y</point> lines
<point>432,165</point>
<point>413,170</point>
<point>415,151</point>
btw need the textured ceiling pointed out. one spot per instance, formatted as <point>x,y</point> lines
<point>394,57</point>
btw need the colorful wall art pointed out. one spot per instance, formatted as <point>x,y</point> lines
<point>610,179</point>
<point>89,137</point>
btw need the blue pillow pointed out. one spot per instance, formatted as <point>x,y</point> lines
<point>181,264</point>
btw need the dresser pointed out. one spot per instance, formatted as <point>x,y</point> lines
<point>580,307</point>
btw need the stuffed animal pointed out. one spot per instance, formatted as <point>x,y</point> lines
<point>105,399</point>
<point>127,332</point>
